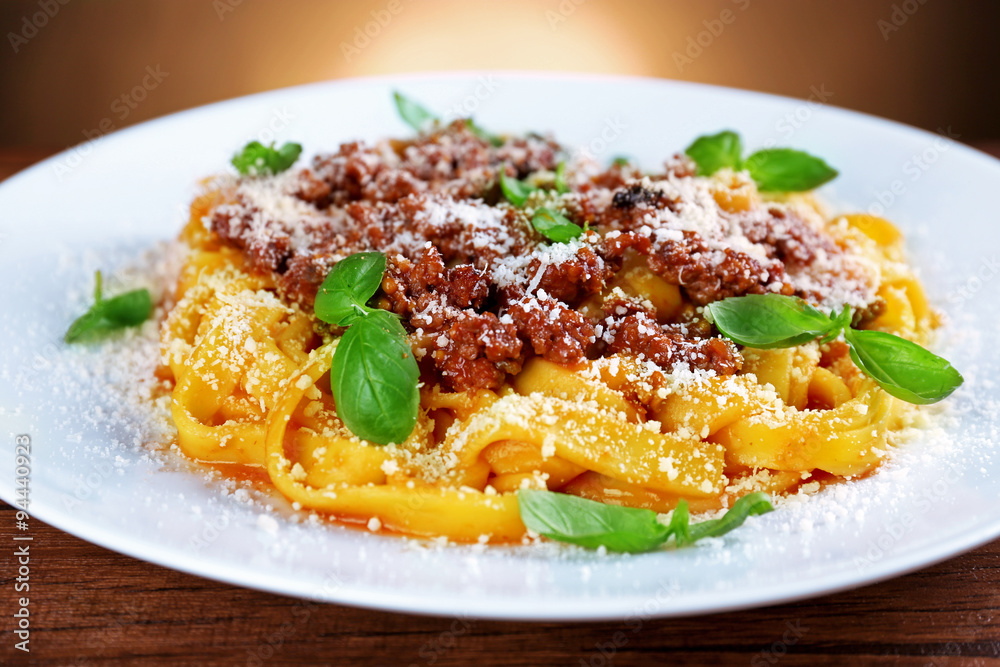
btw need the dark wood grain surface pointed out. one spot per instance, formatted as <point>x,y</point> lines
<point>91,606</point>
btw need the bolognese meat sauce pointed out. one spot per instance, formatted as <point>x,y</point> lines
<point>481,291</point>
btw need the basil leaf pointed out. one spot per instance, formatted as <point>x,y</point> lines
<point>712,152</point>
<point>257,159</point>
<point>128,309</point>
<point>767,321</point>
<point>752,504</point>
<point>353,280</point>
<point>839,323</point>
<point>98,286</point>
<point>555,226</point>
<point>373,378</point>
<point>480,133</point>
<point>591,524</point>
<point>680,522</point>
<point>373,375</point>
<point>621,161</point>
<point>561,186</point>
<point>514,190</point>
<point>774,169</point>
<point>902,368</point>
<point>107,315</point>
<point>788,170</point>
<point>412,113</point>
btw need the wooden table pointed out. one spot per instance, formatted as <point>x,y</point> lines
<point>91,606</point>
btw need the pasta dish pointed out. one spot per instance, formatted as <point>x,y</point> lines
<point>415,334</point>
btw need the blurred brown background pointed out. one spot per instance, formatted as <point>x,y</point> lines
<point>68,65</point>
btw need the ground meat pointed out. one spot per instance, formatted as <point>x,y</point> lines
<point>555,331</point>
<point>467,286</point>
<point>574,279</point>
<point>530,154</point>
<point>481,291</point>
<point>468,349</point>
<point>453,160</point>
<point>312,189</point>
<point>704,275</point>
<point>616,176</point>
<point>793,241</point>
<point>479,351</point>
<point>235,224</point>
<point>304,275</point>
<point>640,335</point>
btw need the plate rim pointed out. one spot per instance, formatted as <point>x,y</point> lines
<point>447,603</point>
<point>528,74</point>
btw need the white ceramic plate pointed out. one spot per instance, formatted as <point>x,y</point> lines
<point>99,205</point>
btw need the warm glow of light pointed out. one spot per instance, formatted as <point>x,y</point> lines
<point>496,35</point>
<point>219,50</point>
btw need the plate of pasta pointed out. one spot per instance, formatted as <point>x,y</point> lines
<point>510,346</point>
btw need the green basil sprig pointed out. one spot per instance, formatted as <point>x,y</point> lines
<point>373,378</point>
<point>773,169</point>
<point>345,291</point>
<point>787,170</point>
<point>106,315</point>
<point>713,152</point>
<point>560,180</point>
<point>685,533</point>
<point>591,524</point>
<point>373,375</point>
<point>256,159</point>
<point>516,192</point>
<point>767,321</point>
<point>420,118</point>
<point>555,226</point>
<point>901,367</point>
<point>494,140</point>
<point>413,113</point>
